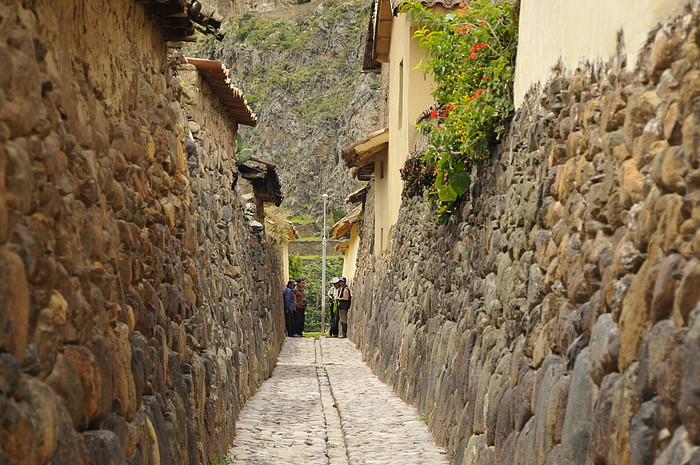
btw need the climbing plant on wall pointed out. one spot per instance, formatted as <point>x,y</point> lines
<point>471,55</point>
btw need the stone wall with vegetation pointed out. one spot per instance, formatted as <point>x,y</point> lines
<point>135,308</point>
<point>555,318</point>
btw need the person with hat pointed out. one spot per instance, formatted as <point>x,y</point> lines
<point>344,301</point>
<point>333,296</point>
<point>290,307</point>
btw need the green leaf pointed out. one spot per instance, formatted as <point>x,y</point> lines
<point>239,143</point>
<point>446,193</point>
<point>460,182</point>
<point>244,155</point>
<point>439,178</point>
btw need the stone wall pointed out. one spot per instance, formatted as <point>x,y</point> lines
<point>137,311</point>
<point>555,320</point>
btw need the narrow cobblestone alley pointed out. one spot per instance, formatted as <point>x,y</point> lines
<point>323,405</point>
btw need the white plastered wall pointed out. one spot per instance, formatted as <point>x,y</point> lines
<point>578,31</point>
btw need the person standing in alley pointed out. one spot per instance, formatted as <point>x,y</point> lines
<point>333,293</point>
<point>290,307</point>
<point>300,293</point>
<point>344,301</point>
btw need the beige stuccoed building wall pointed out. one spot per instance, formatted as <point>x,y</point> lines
<point>285,262</point>
<point>576,32</point>
<point>350,259</point>
<point>409,96</point>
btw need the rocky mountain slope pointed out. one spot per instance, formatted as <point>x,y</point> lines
<point>299,67</point>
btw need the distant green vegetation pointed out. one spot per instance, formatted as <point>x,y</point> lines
<point>317,257</point>
<point>311,270</point>
<point>300,219</point>
<point>307,62</point>
<point>301,75</point>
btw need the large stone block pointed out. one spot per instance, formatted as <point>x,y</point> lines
<point>688,293</point>
<point>635,317</point>
<point>664,292</point>
<point>103,448</point>
<point>604,347</point>
<point>14,303</point>
<point>579,410</point>
<point>669,169</point>
<point>601,423</point>
<point>689,405</point>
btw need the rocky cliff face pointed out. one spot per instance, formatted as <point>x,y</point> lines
<point>135,317</point>
<point>556,319</point>
<point>300,70</point>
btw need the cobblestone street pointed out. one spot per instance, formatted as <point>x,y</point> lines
<point>323,405</point>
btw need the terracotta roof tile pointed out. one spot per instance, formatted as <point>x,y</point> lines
<point>344,225</point>
<point>363,152</point>
<point>231,97</point>
<point>357,196</point>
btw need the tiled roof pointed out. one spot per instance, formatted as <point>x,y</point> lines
<point>363,153</point>
<point>378,36</point>
<point>344,225</point>
<point>180,19</point>
<point>230,96</point>
<point>357,196</point>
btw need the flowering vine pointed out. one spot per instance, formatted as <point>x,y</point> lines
<point>471,55</point>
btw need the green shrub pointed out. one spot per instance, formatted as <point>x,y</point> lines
<point>311,270</point>
<point>471,54</point>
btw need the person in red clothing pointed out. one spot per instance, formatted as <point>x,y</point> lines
<point>300,293</point>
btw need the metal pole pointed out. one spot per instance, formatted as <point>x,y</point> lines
<point>323,269</point>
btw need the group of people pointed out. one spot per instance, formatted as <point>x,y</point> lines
<point>341,298</point>
<point>295,307</point>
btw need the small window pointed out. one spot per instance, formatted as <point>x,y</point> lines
<point>381,169</point>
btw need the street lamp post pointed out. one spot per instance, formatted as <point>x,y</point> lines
<point>323,269</point>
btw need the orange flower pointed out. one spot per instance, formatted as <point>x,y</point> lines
<point>473,55</point>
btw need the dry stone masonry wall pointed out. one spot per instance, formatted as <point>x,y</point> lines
<point>556,319</point>
<point>135,304</point>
